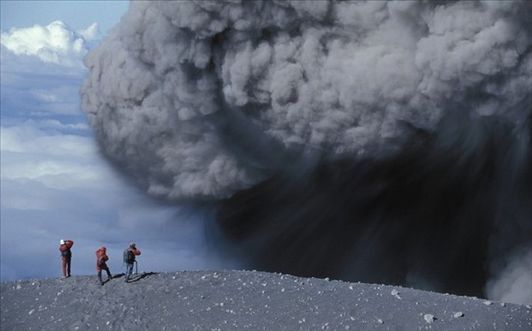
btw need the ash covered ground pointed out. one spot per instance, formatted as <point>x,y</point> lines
<point>234,300</point>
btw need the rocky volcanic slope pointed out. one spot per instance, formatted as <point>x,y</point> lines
<point>229,300</point>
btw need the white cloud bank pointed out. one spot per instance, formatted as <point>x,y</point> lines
<point>55,43</point>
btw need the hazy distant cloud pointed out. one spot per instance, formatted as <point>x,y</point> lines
<point>58,125</point>
<point>55,43</point>
<point>31,87</point>
<point>29,140</point>
<point>54,159</point>
<point>54,185</point>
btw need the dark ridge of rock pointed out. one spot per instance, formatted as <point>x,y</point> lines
<point>234,300</point>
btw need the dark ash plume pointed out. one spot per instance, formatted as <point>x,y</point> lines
<point>432,215</point>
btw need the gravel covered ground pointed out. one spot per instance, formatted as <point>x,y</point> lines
<point>229,300</point>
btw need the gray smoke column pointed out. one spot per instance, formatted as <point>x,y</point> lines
<point>327,102</point>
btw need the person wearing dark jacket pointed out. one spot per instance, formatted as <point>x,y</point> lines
<point>129,258</point>
<point>101,264</point>
<point>66,256</point>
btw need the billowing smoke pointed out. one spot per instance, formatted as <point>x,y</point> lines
<point>376,141</point>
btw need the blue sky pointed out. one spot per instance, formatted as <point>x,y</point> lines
<point>54,183</point>
<point>75,13</point>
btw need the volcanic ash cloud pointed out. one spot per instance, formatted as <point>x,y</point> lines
<point>199,99</point>
<point>378,141</point>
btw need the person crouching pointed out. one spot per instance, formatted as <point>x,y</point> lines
<point>101,264</point>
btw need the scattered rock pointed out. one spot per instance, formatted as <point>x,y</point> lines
<point>395,293</point>
<point>458,314</point>
<point>487,303</point>
<point>380,321</point>
<point>429,318</point>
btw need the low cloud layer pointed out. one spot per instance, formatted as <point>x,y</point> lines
<point>55,43</point>
<point>54,185</point>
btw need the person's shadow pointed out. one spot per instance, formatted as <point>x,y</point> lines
<point>118,275</point>
<point>136,277</point>
<point>113,277</point>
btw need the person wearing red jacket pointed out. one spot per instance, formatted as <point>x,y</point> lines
<point>101,264</point>
<point>66,256</point>
<point>129,259</point>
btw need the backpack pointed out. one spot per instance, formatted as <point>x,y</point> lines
<point>66,253</point>
<point>129,257</point>
<point>99,258</point>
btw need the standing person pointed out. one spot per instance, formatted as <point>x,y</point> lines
<point>129,259</point>
<point>101,263</point>
<point>66,256</point>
